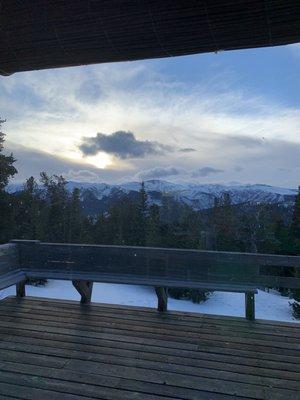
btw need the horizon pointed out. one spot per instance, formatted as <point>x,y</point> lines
<point>12,183</point>
<point>205,119</point>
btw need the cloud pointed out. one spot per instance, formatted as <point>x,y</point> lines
<point>187,150</point>
<point>245,140</point>
<point>223,119</point>
<point>238,168</point>
<point>121,144</point>
<point>81,175</point>
<point>206,171</point>
<point>30,162</point>
<point>295,49</point>
<point>158,172</point>
<point>89,92</point>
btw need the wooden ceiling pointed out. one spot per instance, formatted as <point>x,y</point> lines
<point>39,34</point>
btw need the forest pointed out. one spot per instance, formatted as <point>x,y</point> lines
<point>46,210</point>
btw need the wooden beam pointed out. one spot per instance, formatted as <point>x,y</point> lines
<point>162,298</point>
<point>152,29</point>
<point>250,306</point>
<point>20,289</point>
<point>84,288</point>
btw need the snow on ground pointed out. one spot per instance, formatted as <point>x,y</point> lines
<point>270,306</point>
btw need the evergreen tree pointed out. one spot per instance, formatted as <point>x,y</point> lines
<point>295,238</point>
<point>281,235</point>
<point>153,234</point>
<point>115,231</point>
<point>28,224</point>
<point>7,168</point>
<point>295,225</point>
<point>55,213</point>
<point>101,230</point>
<point>141,217</point>
<point>223,224</point>
<point>143,200</point>
<point>75,217</point>
<point>7,171</point>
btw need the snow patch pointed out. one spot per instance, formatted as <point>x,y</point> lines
<point>270,306</point>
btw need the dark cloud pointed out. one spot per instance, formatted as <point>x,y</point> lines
<point>158,172</point>
<point>206,171</point>
<point>187,150</point>
<point>121,144</point>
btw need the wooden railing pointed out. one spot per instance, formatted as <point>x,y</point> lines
<point>158,267</point>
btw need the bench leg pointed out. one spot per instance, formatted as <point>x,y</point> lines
<point>84,288</point>
<point>162,298</point>
<point>250,306</point>
<point>20,289</point>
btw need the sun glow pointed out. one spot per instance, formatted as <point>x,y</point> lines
<point>101,160</point>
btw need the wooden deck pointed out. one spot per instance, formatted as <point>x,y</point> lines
<point>60,350</point>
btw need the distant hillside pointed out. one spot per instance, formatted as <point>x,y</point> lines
<point>98,197</point>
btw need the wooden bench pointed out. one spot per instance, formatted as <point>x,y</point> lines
<point>250,292</point>
<point>157,267</point>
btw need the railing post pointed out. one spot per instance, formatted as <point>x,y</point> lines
<point>250,306</point>
<point>20,289</point>
<point>162,298</point>
<point>84,288</point>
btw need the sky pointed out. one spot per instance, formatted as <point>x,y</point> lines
<point>230,117</point>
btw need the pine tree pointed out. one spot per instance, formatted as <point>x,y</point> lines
<point>153,234</point>
<point>223,224</point>
<point>7,171</point>
<point>7,168</point>
<point>141,217</point>
<point>115,231</point>
<point>101,231</point>
<point>75,217</point>
<point>55,212</point>
<point>143,200</point>
<point>295,225</point>
<point>295,238</point>
<point>281,235</point>
<point>27,211</point>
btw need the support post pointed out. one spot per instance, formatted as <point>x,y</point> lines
<point>250,306</point>
<point>84,288</point>
<point>20,289</point>
<point>162,298</point>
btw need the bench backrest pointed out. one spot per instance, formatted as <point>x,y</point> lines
<point>10,273</point>
<point>168,266</point>
<point>9,258</point>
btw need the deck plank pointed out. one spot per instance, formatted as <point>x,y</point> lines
<point>79,352</point>
<point>184,357</point>
<point>45,357</point>
<point>154,339</point>
<point>66,350</point>
<point>156,326</point>
<point>183,327</point>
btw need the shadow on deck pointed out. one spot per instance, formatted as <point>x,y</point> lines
<point>51,349</point>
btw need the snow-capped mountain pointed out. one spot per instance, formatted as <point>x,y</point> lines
<point>198,196</point>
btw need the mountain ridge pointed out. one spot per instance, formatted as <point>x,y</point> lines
<point>99,196</point>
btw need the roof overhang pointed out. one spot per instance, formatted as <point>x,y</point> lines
<point>39,34</point>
